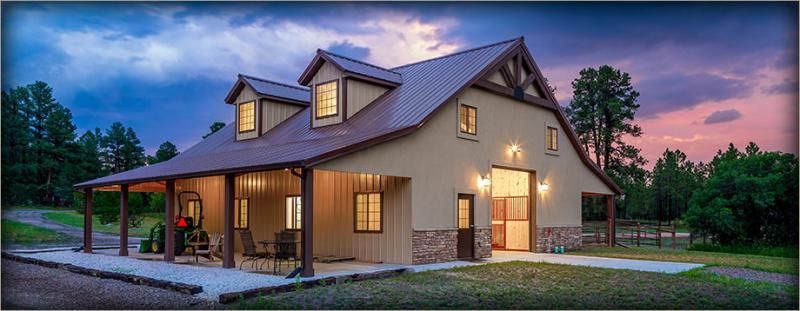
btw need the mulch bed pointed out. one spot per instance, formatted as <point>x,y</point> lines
<point>753,275</point>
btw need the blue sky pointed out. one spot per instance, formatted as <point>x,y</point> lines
<point>709,73</point>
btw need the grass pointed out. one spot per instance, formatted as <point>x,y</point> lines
<point>774,251</point>
<point>755,262</point>
<point>15,232</point>
<point>75,219</point>
<point>527,285</point>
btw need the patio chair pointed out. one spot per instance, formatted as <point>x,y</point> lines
<point>251,253</point>
<point>213,245</point>
<point>285,249</point>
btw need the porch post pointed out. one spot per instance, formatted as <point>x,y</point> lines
<point>169,222</point>
<point>123,220</point>
<point>228,242</point>
<point>87,221</point>
<point>612,222</point>
<point>307,232</point>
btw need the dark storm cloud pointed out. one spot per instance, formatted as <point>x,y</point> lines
<point>722,116</point>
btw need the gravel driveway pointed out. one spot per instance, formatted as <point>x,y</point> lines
<point>35,217</point>
<point>27,286</point>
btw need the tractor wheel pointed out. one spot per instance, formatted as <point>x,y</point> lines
<point>155,247</point>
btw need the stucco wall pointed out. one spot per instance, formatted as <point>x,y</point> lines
<point>442,165</point>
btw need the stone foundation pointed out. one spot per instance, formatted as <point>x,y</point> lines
<point>549,237</point>
<point>432,246</point>
<point>483,242</point>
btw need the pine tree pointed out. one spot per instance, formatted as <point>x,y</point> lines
<point>16,181</point>
<point>121,149</point>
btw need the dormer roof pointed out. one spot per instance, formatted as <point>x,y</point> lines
<point>352,67</point>
<point>270,90</point>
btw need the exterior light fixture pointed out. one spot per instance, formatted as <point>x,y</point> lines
<point>515,148</point>
<point>484,181</point>
<point>544,187</point>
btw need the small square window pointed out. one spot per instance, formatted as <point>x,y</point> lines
<point>468,117</point>
<point>326,99</point>
<point>368,212</point>
<point>247,117</point>
<point>552,138</point>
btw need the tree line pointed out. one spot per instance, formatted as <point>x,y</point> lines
<point>43,156</point>
<point>745,196</point>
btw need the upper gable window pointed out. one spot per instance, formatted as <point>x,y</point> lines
<point>552,138</point>
<point>326,100</point>
<point>468,120</point>
<point>247,117</point>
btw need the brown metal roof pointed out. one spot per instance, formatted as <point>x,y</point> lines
<point>270,89</point>
<point>352,67</point>
<point>426,87</point>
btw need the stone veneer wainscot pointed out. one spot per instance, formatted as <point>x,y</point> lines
<point>432,246</point>
<point>548,237</point>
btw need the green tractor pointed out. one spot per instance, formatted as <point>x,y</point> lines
<point>185,229</point>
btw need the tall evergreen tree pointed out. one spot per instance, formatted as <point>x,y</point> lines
<point>121,149</point>
<point>16,168</point>
<point>602,111</point>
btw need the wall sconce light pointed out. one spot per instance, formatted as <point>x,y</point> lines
<point>515,148</point>
<point>543,187</point>
<point>484,181</point>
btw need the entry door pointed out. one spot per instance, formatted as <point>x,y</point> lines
<point>466,226</point>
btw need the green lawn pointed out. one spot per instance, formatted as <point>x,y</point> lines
<point>15,232</point>
<point>762,263</point>
<point>75,219</point>
<point>526,285</point>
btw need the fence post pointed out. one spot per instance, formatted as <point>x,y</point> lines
<point>673,238</point>
<point>638,234</point>
<point>658,236</point>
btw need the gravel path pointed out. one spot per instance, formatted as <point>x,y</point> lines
<point>753,275</point>
<point>35,217</point>
<point>27,286</point>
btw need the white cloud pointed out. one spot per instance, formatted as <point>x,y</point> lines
<point>211,47</point>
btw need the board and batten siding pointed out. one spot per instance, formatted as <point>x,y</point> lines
<point>326,73</point>
<point>266,192</point>
<point>273,113</point>
<point>360,94</point>
<point>247,95</point>
<point>334,207</point>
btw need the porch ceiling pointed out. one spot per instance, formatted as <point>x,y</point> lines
<point>150,186</point>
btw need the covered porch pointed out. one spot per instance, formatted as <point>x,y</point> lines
<point>318,206</point>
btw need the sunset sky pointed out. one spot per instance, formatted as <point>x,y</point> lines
<point>709,73</point>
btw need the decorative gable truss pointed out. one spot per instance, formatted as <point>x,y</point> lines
<point>518,76</point>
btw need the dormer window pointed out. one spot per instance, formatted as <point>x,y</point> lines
<point>326,99</point>
<point>247,117</point>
